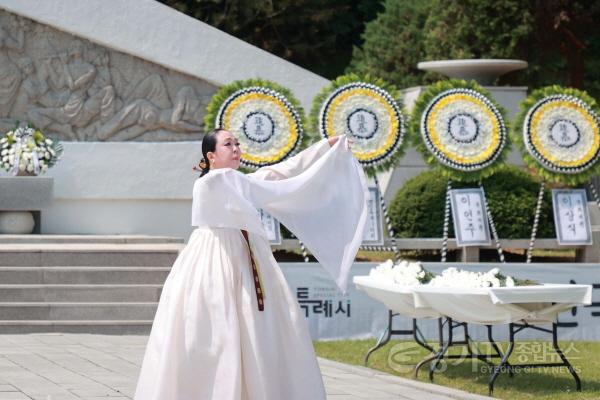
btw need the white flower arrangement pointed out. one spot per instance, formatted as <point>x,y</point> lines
<point>368,114</point>
<point>463,129</point>
<point>410,274</point>
<point>404,273</point>
<point>264,121</point>
<point>27,150</point>
<point>562,133</point>
<point>453,277</point>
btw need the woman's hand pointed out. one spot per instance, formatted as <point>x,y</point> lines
<point>333,140</point>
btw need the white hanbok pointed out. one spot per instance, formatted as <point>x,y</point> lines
<point>209,340</point>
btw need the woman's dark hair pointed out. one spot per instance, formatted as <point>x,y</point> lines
<point>209,143</point>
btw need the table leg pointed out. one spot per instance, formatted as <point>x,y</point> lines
<point>435,353</point>
<point>443,346</point>
<point>383,339</point>
<point>504,361</point>
<point>564,358</point>
<point>497,350</point>
<point>387,334</point>
<point>420,341</point>
<point>468,340</point>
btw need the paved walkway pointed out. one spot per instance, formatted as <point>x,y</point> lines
<point>57,366</point>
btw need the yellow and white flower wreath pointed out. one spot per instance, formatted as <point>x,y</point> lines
<point>267,125</point>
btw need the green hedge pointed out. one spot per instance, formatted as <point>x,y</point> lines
<point>418,208</point>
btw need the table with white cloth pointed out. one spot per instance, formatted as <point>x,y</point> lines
<point>519,307</point>
<point>400,301</point>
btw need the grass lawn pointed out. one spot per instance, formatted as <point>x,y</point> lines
<point>467,375</point>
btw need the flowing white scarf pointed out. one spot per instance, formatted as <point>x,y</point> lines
<point>325,206</point>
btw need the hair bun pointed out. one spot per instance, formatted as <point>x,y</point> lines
<point>202,167</point>
<point>203,164</point>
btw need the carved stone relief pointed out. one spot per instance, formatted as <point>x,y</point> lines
<point>76,90</point>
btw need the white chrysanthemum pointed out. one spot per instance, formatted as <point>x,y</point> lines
<point>452,277</point>
<point>375,106</point>
<point>266,125</point>
<point>383,271</point>
<point>404,273</point>
<point>576,120</point>
<point>404,277</point>
<point>415,267</point>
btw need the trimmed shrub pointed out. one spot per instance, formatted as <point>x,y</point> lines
<point>417,210</point>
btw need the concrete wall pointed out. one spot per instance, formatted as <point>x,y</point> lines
<point>122,187</point>
<point>164,36</point>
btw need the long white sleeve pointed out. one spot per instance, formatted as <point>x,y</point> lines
<point>325,206</point>
<point>293,165</point>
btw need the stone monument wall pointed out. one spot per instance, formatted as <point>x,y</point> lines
<point>76,90</point>
<point>124,85</point>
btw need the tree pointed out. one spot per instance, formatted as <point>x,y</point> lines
<point>315,34</point>
<point>393,43</point>
<point>567,39</point>
<point>476,29</point>
<point>559,39</point>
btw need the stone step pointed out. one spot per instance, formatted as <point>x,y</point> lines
<point>89,254</point>
<point>105,239</point>
<point>80,293</point>
<point>83,275</point>
<point>77,311</point>
<point>106,327</point>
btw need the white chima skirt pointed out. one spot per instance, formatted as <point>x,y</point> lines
<point>210,341</point>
